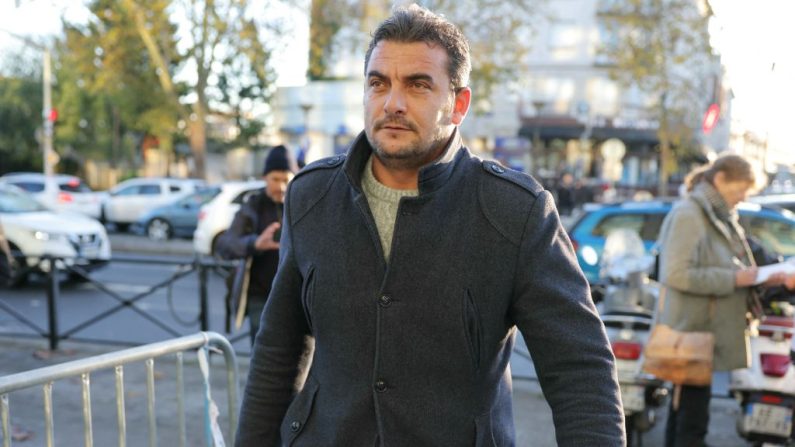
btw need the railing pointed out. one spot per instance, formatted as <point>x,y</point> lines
<point>54,267</point>
<point>83,368</point>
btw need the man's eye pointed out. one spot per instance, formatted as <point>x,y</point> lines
<point>376,83</point>
<point>420,86</point>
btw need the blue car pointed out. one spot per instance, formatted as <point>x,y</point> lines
<point>176,219</point>
<point>773,227</point>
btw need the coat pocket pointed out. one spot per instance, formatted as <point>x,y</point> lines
<point>308,294</point>
<point>483,434</point>
<point>472,329</point>
<point>297,415</point>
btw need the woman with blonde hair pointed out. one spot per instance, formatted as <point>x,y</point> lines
<point>708,271</point>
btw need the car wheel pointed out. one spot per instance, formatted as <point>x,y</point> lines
<point>158,229</point>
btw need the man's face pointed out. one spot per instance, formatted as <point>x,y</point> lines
<point>410,105</point>
<point>276,184</point>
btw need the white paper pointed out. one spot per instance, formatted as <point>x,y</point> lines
<point>766,271</point>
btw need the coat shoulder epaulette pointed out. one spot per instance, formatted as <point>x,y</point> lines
<point>522,180</point>
<point>311,184</point>
<point>506,197</point>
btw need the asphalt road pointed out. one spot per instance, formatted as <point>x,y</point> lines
<point>177,309</point>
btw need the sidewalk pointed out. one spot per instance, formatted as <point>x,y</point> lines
<point>533,420</point>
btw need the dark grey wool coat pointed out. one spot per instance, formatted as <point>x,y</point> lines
<point>354,351</point>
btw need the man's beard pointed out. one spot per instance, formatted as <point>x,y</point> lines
<point>411,157</point>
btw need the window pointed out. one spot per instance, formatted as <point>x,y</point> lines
<point>174,188</point>
<point>129,191</point>
<point>74,185</point>
<point>633,222</point>
<point>29,186</point>
<point>775,235</point>
<point>243,196</point>
<point>150,190</point>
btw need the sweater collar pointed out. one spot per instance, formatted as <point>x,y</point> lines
<point>431,176</point>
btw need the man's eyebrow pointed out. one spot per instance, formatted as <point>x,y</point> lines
<point>376,74</point>
<point>419,77</point>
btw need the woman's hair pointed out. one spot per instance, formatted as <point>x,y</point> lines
<point>734,168</point>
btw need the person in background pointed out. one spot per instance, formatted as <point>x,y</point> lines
<point>406,268</point>
<point>6,260</point>
<point>254,236</point>
<point>565,191</point>
<point>709,271</point>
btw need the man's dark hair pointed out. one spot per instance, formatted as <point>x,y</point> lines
<point>416,24</point>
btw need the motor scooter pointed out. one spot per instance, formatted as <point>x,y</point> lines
<point>766,390</point>
<point>628,300</point>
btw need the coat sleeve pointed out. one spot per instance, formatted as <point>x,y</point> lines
<point>238,240</point>
<point>553,309</point>
<point>681,266</point>
<point>281,354</point>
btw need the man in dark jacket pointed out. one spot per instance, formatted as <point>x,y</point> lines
<point>254,235</point>
<point>406,268</point>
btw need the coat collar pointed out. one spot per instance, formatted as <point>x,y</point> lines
<point>699,196</point>
<point>431,176</point>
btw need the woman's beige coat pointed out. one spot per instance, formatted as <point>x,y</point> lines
<point>698,264</point>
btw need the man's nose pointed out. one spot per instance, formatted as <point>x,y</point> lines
<point>395,102</point>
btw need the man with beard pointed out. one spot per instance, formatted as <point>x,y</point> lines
<point>406,268</point>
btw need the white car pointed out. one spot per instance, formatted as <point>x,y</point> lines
<point>131,199</point>
<point>785,201</point>
<point>216,215</point>
<point>33,231</point>
<point>59,192</point>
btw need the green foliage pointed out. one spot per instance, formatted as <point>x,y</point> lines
<point>20,116</point>
<point>662,48</point>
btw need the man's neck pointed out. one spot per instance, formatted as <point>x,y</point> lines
<point>394,178</point>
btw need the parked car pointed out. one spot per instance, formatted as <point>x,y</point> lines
<point>129,200</point>
<point>216,216</point>
<point>33,231</point>
<point>773,227</point>
<point>176,219</point>
<point>59,192</point>
<point>786,201</point>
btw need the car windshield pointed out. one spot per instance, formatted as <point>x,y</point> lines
<point>15,202</point>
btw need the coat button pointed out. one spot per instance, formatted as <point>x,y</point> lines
<point>385,301</point>
<point>380,386</point>
<point>497,169</point>
<point>295,426</point>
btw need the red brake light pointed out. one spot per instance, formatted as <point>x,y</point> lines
<point>73,183</point>
<point>770,326</point>
<point>627,350</point>
<point>775,365</point>
<point>771,399</point>
<point>65,197</point>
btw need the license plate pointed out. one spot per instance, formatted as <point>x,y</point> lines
<point>633,398</point>
<point>769,419</point>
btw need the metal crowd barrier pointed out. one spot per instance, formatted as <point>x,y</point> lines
<point>46,377</point>
<point>53,267</point>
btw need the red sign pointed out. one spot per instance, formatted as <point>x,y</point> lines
<point>53,115</point>
<point>710,118</point>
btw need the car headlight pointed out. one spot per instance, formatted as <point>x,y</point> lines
<point>46,236</point>
<point>589,255</point>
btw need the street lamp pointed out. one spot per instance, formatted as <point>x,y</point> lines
<point>47,113</point>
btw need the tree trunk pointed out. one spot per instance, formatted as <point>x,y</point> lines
<point>198,140</point>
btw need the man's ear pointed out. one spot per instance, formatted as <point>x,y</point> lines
<point>461,105</point>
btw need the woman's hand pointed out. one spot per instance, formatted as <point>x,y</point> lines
<point>745,277</point>
<point>775,279</point>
